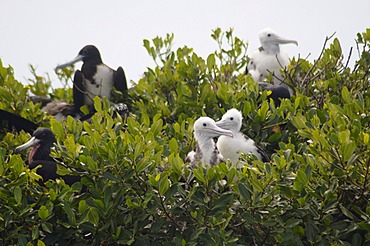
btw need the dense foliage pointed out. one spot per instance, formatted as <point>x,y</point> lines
<point>315,190</point>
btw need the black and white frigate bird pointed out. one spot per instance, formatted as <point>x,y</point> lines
<point>95,78</point>
<point>40,143</point>
<point>205,129</point>
<point>229,147</point>
<point>269,58</point>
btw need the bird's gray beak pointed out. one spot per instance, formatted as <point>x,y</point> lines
<point>281,40</point>
<point>77,59</point>
<point>222,124</point>
<point>218,130</point>
<point>32,142</point>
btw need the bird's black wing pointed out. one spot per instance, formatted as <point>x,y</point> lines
<point>265,158</point>
<point>48,169</point>
<point>78,90</point>
<point>12,121</point>
<point>278,92</point>
<point>120,82</point>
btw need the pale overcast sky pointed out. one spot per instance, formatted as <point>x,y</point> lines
<point>47,33</point>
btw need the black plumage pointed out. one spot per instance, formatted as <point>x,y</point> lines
<point>10,121</point>
<point>95,78</point>
<point>278,92</point>
<point>41,142</point>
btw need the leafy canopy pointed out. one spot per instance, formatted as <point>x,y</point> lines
<point>315,191</point>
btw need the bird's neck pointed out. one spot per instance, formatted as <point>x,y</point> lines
<point>207,147</point>
<point>271,49</point>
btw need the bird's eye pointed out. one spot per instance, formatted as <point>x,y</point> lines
<point>269,35</point>
<point>231,118</point>
<point>204,124</point>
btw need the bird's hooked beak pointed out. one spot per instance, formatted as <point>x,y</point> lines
<point>281,40</point>
<point>224,124</point>
<point>77,59</point>
<point>32,142</point>
<point>220,131</point>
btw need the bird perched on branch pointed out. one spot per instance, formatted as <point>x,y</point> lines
<point>61,110</point>
<point>40,143</point>
<point>95,78</point>
<point>205,129</point>
<point>270,59</point>
<point>229,147</point>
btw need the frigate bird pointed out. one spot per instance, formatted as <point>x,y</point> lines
<point>57,108</point>
<point>205,129</point>
<point>41,142</point>
<point>229,147</point>
<point>60,110</point>
<point>95,78</point>
<point>269,58</point>
<point>11,121</point>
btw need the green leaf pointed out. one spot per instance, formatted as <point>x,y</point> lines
<point>110,176</point>
<point>299,121</point>
<point>177,127</point>
<point>57,128</point>
<point>257,185</point>
<point>138,149</point>
<point>82,206</point>
<point>348,150</point>
<point>224,200</point>
<point>48,227</point>
<point>243,190</point>
<point>16,163</point>
<point>18,194</point>
<point>301,177</point>
<point>346,95</point>
<point>98,104</point>
<point>157,127</point>
<point>40,243</point>
<point>347,213</point>
<point>43,212</point>
<point>62,170</point>
<point>70,214</point>
<point>199,174</point>
<point>173,145</point>
<point>164,184</point>
<point>93,216</point>
<point>292,223</point>
<point>211,62</point>
<point>356,239</point>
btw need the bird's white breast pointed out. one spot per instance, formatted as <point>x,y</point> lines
<point>265,63</point>
<point>102,87</point>
<point>229,147</point>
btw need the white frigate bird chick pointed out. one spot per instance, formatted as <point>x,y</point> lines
<point>269,58</point>
<point>229,147</point>
<point>205,129</point>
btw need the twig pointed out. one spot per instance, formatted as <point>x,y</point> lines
<point>322,52</point>
<point>349,57</point>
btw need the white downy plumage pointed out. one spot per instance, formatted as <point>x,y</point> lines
<point>229,147</point>
<point>205,129</point>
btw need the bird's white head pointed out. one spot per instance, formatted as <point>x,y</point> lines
<point>205,128</point>
<point>269,38</point>
<point>231,120</point>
